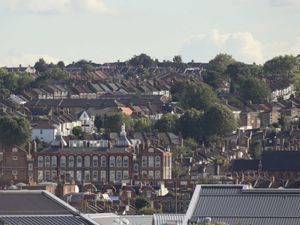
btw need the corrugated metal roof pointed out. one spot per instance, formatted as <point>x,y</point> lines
<point>45,220</point>
<point>238,204</point>
<point>163,219</point>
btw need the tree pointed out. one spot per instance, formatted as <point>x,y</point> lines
<point>141,60</point>
<point>141,202</point>
<point>14,131</point>
<point>167,123</point>
<point>190,124</point>
<point>255,90</point>
<point>218,121</point>
<point>98,122</point>
<point>192,95</point>
<point>41,65</point>
<point>177,59</point>
<point>143,125</point>
<point>114,122</point>
<point>216,69</point>
<point>77,131</point>
<point>255,150</point>
<point>61,65</point>
<point>281,65</point>
<point>149,211</point>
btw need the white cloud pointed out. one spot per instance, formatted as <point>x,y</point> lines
<point>59,6</point>
<point>25,59</point>
<point>242,45</point>
<point>291,4</point>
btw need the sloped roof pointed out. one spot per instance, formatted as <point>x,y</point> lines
<point>281,161</point>
<point>237,204</point>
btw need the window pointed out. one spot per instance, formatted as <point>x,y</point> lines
<point>40,175</point>
<point>103,161</point>
<point>144,161</point>
<point>119,175</point>
<point>63,161</point>
<point>119,161</point>
<point>47,162</point>
<point>125,161</point>
<point>40,161</point>
<point>41,131</point>
<point>150,174</point>
<point>157,174</point>
<point>95,176</point>
<point>112,176</point>
<point>87,175</point>
<point>30,166</point>
<point>95,161</point>
<point>157,161</point>
<point>14,150</point>
<point>53,174</point>
<point>54,161</point>
<point>71,161</point>
<point>87,161</point>
<point>78,175</point>
<point>103,175</point>
<point>14,158</point>
<point>79,161</point>
<point>125,174</point>
<point>151,161</point>
<point>136,167</point>
<point>112,161</point>
<point>70,174</point>
<point>47,175</point>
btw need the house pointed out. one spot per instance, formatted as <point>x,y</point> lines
<point>16,165</point>
<point>239,204</point>
<point>87,121</point>
<point>38,207</point>
<point>281,88</point>
<point>44,130</point>
<point>101,161</point>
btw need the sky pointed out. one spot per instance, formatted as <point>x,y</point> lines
<point>111,30</point>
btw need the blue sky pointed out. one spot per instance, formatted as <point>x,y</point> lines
<point>110,30</point>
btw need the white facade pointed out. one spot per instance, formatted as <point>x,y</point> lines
<point>46,135</point>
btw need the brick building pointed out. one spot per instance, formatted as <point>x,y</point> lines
<point>99,161</point>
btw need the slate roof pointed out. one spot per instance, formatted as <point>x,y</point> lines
<point>237,204</point>
<point>281,161</point>
<point>163,219</point>
<point>244,165</point>
<point>37,207</point>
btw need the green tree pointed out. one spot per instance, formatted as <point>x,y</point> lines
<point>216,69</point>
<point>190,124</point>
<point>141,60</point>
<point>61,65</point>
<point>41,65</point>
<point>143,125</point>
<point>141,202</point>
<point>282,66</point>
<point>255,150</point>
<point>77,131</point>
<point>98,122</point>
<point>255,90</point>
<point>192,95</point>
<point>218,121</point>
<point>114,122</point>
<point>14,131</point>
<point>149,211</point>
<point>167,123</point>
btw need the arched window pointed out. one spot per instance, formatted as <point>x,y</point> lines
<point>54,161</point>
<point>112,161</point>
<point>144,161</point>
<point>40,161</point>
<point>125,161</point>
<point>157,174</point>
<point>151,161</point>
<point>79,161</point>
<point>87,161</point>
<point>119,161</point>
<point>63,161</point>
<point>157,161</point>
<point>47,161</point>
<point>95,161</point>
<point>103,161</point>
<point>71,161</point>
